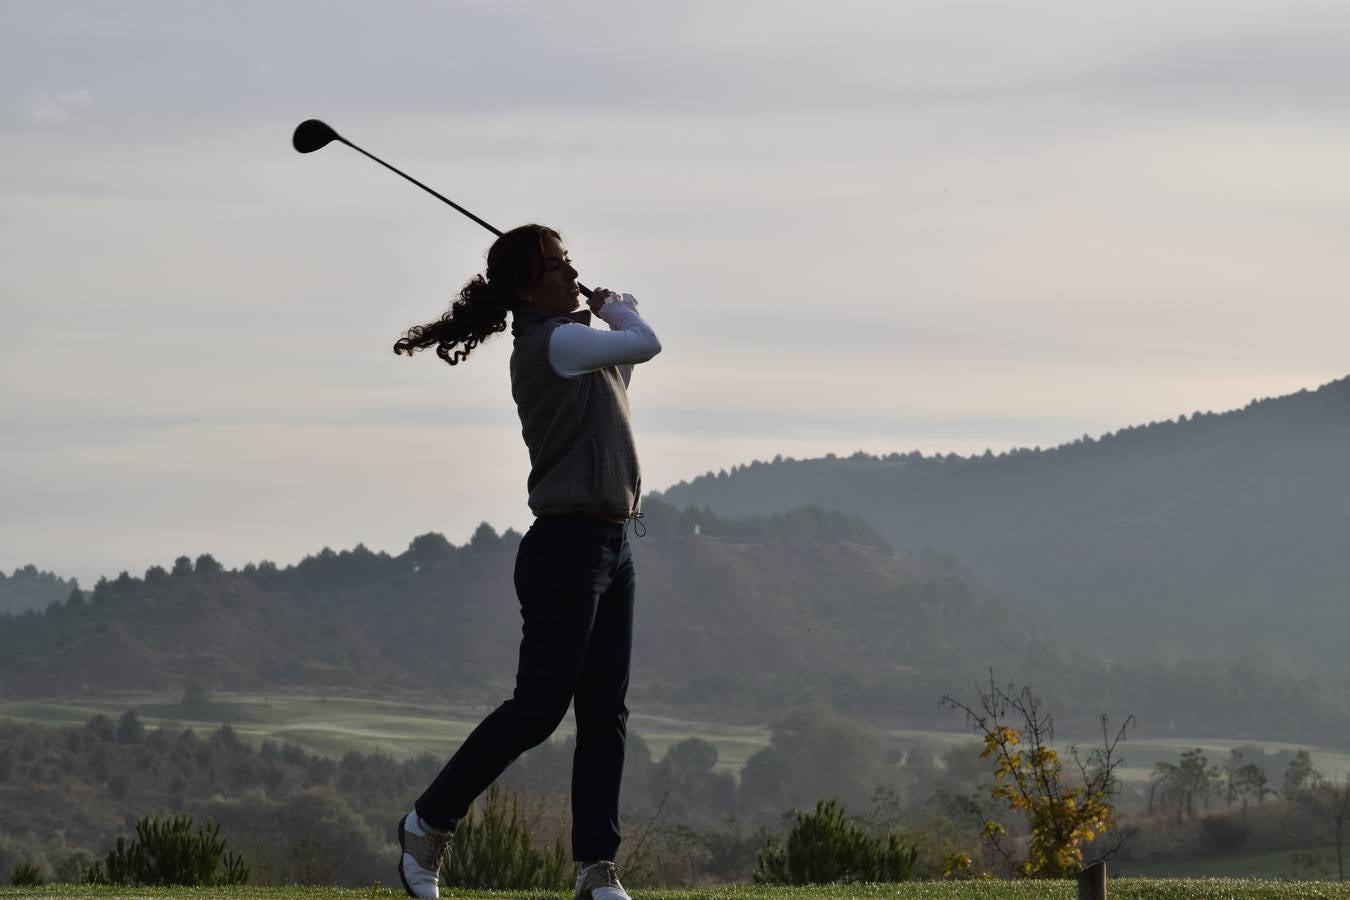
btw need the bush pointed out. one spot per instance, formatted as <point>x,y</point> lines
<point>167,852</point>
<point>825,847</point>
<point>1222,833</point>
<point>312,837</point>
<point>73,866</point>
<point>493,850</point>
<point>25,875</point>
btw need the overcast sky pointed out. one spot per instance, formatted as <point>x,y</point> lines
<point>886,226</point>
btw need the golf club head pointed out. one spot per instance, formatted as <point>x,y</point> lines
<point>311,135</point>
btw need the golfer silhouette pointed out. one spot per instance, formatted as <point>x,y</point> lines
<point>574,570</point>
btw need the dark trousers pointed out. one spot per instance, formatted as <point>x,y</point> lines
<point>574,578</point>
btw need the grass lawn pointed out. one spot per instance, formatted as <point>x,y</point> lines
<point>1119,889</point>
<point>333,725</point>
<point>1272,864</point>
<point>330,726</point>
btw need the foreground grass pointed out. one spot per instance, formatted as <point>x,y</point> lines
<point>1118,889</point>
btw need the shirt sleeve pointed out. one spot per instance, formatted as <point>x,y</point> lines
<point>575,349</point>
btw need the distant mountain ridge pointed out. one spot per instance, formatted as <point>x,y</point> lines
<point>1212,535</point>
<point>731,610</point>
<point>737,621</point>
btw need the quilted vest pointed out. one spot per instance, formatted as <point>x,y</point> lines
<point>582,454</point>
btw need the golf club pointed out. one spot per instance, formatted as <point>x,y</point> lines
<point>312,134</point>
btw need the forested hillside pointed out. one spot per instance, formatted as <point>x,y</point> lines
<point>737,618</point>
<point>730,612</point>
<point>1212,535</point>
<point>29,588</point>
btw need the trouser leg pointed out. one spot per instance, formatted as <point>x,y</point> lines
<point>559,586</point>
<point>602,718</point>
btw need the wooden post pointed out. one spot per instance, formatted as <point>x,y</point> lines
<point>1092,882</point>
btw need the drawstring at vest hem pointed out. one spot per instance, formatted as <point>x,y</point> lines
<point>639,529</point>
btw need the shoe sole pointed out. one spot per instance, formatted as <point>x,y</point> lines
<point>401,877</point>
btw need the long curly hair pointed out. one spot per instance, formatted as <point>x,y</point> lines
<point>514,261</point>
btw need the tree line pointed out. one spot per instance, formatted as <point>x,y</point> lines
<point>299,817</point>
<point>1194,789</point>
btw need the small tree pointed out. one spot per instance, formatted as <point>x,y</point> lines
<point>1197,777</point>
<point>1335,802</point>
<point>1176,786</point>
<point>102,728</point>
<point>493,850</point>
<point>1164,789</point>
<point>166,852</point>
<point>814,752</point>
<point>1244,780</point>
<point>1299,777</point>
<point>1330,802</point>
<point>207,565</point>
<point>1249,781</point>
<point>72,867</point>
<point>1029,777</point>
<point>484,538</point>
<point>130,729</point>
<point>196,698</point>
<point>825,847</point>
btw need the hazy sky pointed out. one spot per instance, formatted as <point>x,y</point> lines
<point>882,226</point>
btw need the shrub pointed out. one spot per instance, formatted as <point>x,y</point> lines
<point>167,852</point>
<point>493,850</point>
<point>73,866</point>
<point>1222,833</point>
<point>25,875</point>
<point>1062,818</point>
<point>825,847</point>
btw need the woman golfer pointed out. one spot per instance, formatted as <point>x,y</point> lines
<point>574,571</point>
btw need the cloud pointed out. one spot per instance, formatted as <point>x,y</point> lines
<point>192,65</point>
<point>1300,64</point>
<point>55,107</point>
<point>888,226</point>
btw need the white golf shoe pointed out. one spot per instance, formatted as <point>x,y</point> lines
<point>600,881</point>
<point>423,849</point>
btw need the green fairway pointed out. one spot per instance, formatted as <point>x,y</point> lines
<point>1122,889</point>
<point>1272,864</point>
<point>331,725</point>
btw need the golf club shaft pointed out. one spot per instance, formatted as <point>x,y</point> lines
<point>436,194</point>
<point>439,196</point>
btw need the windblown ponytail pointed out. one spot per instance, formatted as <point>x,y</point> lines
<point>514,261</point>
<point>479,313</point>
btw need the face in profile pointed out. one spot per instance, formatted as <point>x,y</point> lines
<point>556,287</point>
